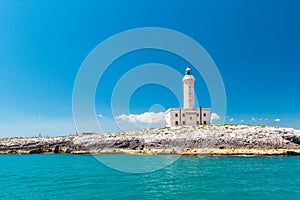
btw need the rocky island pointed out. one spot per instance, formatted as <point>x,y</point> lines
<point>196,140</point>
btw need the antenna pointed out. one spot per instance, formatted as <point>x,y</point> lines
<point>39,125</point>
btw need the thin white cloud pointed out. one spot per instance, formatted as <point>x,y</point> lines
<point>231,119</point>
<point>242,120</point>
<point>100,115</point>
<point>214,116</point>
<point>277,120</point>
<point>146,117</point>
<point>253,119</point>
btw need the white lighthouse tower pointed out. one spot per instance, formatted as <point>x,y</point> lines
<point>188,89</point>
<point>188,115</point>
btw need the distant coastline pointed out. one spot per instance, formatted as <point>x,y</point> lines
<point>197,140</point>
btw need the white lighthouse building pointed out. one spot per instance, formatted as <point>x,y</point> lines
<point>188,115</point>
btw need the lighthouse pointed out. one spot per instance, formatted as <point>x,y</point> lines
<point>188,89</point>
<point>188,115</point>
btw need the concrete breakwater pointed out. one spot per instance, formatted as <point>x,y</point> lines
<point>197,140</point>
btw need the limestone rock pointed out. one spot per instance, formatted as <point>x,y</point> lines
<point>164,139</point>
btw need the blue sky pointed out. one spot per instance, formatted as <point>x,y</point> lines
<point>255,45</point>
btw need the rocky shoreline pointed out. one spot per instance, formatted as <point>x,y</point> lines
<point>200,140</point>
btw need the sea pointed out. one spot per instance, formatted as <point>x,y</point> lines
<point>67,176</point>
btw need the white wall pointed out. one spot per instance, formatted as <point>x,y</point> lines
<point>187,117</point>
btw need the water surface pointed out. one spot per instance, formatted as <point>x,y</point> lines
<point>83,177</point>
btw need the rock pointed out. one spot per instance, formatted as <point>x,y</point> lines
<point>35,151</point>
<point>122,144</point>
<point>292,153</point>
<point>133,145</point>
<point>164,140</point>
<point>69,150</point>
<point>292,138</point>
<point>57,149</point>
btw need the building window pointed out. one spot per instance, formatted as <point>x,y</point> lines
<point>176,115</point>
<point>176,123</point>
<point>204,114</point>
<point>197,122</point>
<point>183,122</point>
<point>191,118</point>
<point>197,114</point>
<point>204,122</point>
<point>183,115</point>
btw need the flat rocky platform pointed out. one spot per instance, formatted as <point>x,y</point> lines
<point>200,140</point>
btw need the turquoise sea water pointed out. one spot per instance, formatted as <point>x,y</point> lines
<point>84,177</point>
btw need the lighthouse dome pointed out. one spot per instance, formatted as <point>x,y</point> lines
<point>188,71</point>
